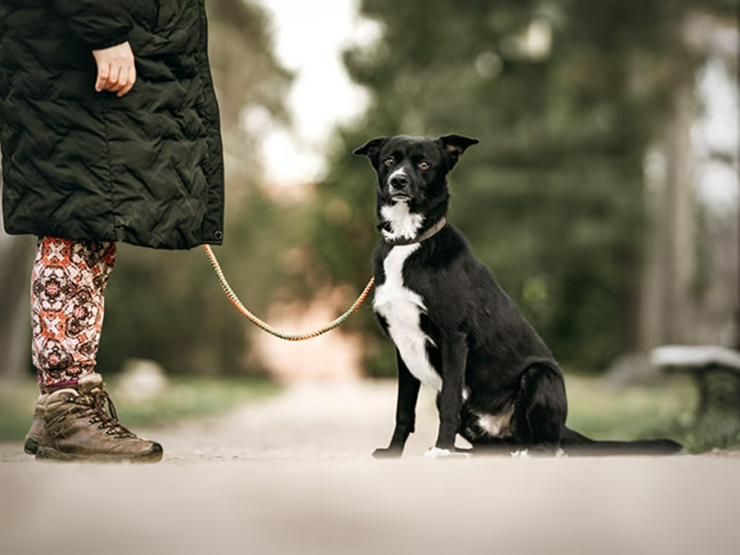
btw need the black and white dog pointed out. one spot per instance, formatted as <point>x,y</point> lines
<point>454,328</point>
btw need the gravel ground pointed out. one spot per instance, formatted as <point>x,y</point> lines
<point>293,475</point>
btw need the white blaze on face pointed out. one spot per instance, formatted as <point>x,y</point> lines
<point>404,224</point>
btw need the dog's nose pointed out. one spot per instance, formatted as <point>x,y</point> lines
<point>399,181</point>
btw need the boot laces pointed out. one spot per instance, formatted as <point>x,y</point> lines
<point>94,406</point>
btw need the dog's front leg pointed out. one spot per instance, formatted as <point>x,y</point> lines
<point>454,355</point>
<point>408,393</point>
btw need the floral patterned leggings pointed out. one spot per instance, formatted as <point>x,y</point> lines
<point>67,304</point>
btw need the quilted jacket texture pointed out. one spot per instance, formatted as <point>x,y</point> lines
<point>145,169</point>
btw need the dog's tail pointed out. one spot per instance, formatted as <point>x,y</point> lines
<point>576,444</point>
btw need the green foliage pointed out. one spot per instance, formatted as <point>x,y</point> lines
<point>565,97</point>
<point>718,430</point>
<point>635,412</point>
<point>16,409</point>
<point>648,412</point>
<point>193,398</point>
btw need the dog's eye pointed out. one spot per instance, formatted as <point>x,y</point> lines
<point>388,162</point>
<point>424,165</point>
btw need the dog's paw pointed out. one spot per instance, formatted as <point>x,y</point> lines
<point>520,454</point>
<point>437,453</point>
<point>387,453</point>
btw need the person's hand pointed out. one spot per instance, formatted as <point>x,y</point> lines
<point>116,69</point>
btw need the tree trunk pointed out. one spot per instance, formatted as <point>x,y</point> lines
<point>667,300</point>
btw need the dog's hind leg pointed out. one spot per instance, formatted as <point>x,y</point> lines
<point>540,409</point>
<point>408,393</point>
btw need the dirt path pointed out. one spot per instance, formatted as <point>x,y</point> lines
<point>293,475</point>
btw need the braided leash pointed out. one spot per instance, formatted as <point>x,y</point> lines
<point>267,327</point>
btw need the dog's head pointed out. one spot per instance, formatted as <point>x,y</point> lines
<point>412,180</point>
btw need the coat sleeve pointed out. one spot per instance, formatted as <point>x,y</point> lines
<point>98,23</point>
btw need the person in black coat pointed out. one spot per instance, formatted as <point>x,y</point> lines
<point>109,132</point>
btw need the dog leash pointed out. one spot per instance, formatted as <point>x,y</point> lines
<point>234,299</point>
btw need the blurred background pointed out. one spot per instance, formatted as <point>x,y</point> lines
<point>603,196</point>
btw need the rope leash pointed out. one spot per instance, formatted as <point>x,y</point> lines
<point>234,299</point>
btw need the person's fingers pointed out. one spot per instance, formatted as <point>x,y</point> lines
<point>116,68</point>
<point>122,80</point>
<point>115,72</point>
<point>131,82</point>
<point>103,74</point>
<point>127,88</point>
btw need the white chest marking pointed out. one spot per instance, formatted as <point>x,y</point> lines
<point>404,224</point>
<point>402,309</point>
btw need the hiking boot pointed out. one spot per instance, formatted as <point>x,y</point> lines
<point>37,426</point>
<point>78,427</point>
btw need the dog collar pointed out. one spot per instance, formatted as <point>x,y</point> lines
<point>431,232</point>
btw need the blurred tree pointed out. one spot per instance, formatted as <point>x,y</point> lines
<point>567,97</point>
<point>167,306</point>
<point>689,291</point>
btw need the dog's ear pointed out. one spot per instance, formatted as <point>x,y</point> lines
<point>371,149</point>
<point>453,147</point>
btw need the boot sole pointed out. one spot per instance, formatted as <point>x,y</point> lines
<point>51,454</point>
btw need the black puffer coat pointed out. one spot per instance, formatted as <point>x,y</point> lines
<point>145,169</point>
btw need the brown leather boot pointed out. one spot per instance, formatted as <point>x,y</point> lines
<point>78,427</point>
<point>37,426</point>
